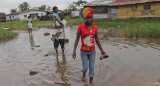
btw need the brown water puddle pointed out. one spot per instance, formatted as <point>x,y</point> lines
<point>132,62</point>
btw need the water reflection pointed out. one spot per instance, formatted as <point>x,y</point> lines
<point>61,69</point>
<point>116,37</point>
<point>32,41</point>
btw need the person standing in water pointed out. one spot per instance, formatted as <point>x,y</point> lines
<point>29,21</point>
<point>59,37</point>
<point>88,32</point>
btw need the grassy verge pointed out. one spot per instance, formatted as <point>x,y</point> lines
<point>144,30</point>
<point>4,34</point>
<point>22,24</point>
<point>74,21</point>
<point>149,27</point>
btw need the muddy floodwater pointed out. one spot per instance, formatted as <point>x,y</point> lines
<point>30,60</point>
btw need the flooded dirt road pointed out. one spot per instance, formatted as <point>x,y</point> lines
<point>30,60</point>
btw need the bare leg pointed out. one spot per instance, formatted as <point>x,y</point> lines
<point>56,51</point>
<point>84,74</point>
<point>58,34</point>
<point>91,80</point>
<point>63,52</point>
<point>55,37</point>
<point>31,30</point>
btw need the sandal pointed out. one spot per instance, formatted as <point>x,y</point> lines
<point>103,56</point>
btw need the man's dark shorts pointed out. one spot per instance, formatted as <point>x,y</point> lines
<point>61,42</point>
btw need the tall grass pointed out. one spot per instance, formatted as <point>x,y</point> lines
<point>7,34</point>
<point>74,21</point>
<point>144,30</point>
<point>146,27</point>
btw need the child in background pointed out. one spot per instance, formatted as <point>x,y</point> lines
<point>29,21</point>
<point>56,18</point>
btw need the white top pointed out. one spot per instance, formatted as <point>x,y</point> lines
<point>64,22</point>
<point>29,21</point>
<point>62,35</point>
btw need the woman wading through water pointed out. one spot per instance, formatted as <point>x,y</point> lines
<point>88,32</point>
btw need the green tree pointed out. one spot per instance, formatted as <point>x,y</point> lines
<point>48,8</point>
<point>73,6</point>
<point>13,10</point>
<point>80,2</point>
<point>42,8</point>
<point>35,8</point>
<point>24,6</point>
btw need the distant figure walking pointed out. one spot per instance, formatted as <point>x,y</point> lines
<point>29,21</point>
<point>88,33</point>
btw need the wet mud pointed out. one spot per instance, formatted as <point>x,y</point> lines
<point>30,60</point>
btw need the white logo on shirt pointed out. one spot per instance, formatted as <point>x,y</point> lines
<point>87,40</point>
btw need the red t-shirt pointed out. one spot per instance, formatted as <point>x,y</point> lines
<point>87,37</point>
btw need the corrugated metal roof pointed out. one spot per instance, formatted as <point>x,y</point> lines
<point>117,2</point>
<point>99,3</point>
<point>128,2</point>
<point>13,13</point>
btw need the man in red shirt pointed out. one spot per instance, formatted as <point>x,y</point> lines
<point>88,32</point>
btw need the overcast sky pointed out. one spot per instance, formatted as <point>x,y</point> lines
<point>7,5</point>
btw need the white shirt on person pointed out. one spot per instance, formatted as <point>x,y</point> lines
<point>29,23</point>
<point>62,35</point>
<point>64,22</point>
